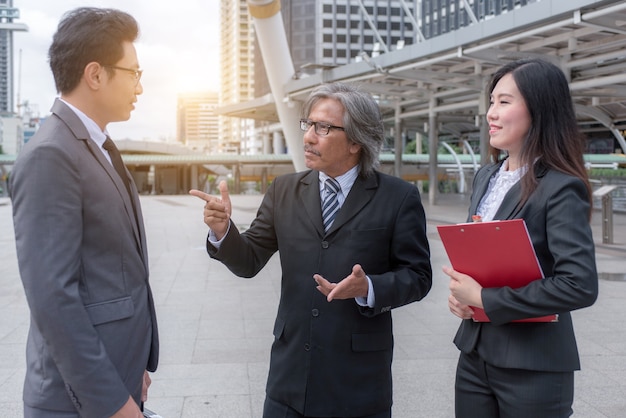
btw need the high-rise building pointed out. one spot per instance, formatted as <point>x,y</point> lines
<point>197,123</point>
<point>237,73</point>
<point>7,27</point>
<point>329,33</point>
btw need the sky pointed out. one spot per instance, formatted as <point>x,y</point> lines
<point>178,49</point>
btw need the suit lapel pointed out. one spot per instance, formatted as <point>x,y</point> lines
<point>360,194</point>
<point>73,122</point>
<point>481,187</point>
<point>511,201</point>
<point>311,201</point>
<point>123,192</point>
<point>511,205</point>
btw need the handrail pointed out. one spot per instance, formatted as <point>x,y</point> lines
<point>471,152</point>
<point>459,166</point>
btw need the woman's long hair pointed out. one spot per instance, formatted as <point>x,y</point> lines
<point>554,139</point>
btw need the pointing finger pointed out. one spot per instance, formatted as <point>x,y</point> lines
<point>197,193</point>
<point>223,186</point>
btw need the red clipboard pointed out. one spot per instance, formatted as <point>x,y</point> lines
<point>495,254</point>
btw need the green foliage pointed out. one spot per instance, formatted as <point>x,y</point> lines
<point>410,147</point>
<point>607,172</point>
<point>444,186</point>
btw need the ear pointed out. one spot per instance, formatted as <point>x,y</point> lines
<point>93,74</point>
<point>355,148</point>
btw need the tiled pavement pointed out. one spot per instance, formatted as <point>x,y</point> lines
<point>216,329</point>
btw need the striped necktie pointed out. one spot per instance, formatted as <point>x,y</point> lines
<point>330,206</point>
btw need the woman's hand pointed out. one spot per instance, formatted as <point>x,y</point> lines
<point>464,292</point>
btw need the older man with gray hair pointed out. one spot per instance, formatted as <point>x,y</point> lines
<point>352,244</point>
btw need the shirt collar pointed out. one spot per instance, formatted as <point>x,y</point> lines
<point>94,131</point>
<point>345,180</point>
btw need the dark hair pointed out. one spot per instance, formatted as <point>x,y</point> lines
<point>362,120</point>
<point>87,35</point>
<point>554,139</point>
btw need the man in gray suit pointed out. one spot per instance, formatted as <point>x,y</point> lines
<point>79,232</point>
<point>349,253</point>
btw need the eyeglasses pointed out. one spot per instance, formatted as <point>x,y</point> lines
<point>136,73</point>
<point>321,128</point>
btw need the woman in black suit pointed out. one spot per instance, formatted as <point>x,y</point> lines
<point>525,370</point>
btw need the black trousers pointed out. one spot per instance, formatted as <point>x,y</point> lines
<point>274,409</point>
<point>486,391</point>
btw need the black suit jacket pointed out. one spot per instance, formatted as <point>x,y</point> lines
<point>556,215</point>
<point>334,359</point>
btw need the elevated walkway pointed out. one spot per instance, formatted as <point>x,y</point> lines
<point>176,173</point>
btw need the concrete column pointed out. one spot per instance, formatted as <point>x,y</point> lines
<point>278,143</point>
<point>483,106</point>
<point>270,33</point>
<point>398,145</point>
<point>267,145</point>
<point>264,179</point>
<point>194,176</point>
<point>433,148</point>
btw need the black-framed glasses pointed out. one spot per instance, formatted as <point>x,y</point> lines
<point>321,128</point>
<point>136,73</point>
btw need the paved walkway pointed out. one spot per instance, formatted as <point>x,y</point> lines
<point>216,330</point>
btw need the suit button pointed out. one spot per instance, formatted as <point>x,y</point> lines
<point>307,347</point>
<point>315,312</point>
<point>325,244</point>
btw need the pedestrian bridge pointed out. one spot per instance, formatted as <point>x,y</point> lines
<point>165,168</point>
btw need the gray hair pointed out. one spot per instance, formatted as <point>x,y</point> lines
<point>362,120</point>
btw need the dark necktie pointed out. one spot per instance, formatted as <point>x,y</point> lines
<point>330,206</point>
<point>118,164</point>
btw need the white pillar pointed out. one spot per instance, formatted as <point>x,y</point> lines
<point>270,33</point>
<point>278,143</point>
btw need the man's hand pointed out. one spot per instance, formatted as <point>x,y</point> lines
<point>355,285</point>
<point>216,211</point>
<point>144,387</point>
<point>129,410</point>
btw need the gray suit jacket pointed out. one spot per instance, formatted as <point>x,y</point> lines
<point>84,266</point>
<point>334,359</point>
<point>556,215</point>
